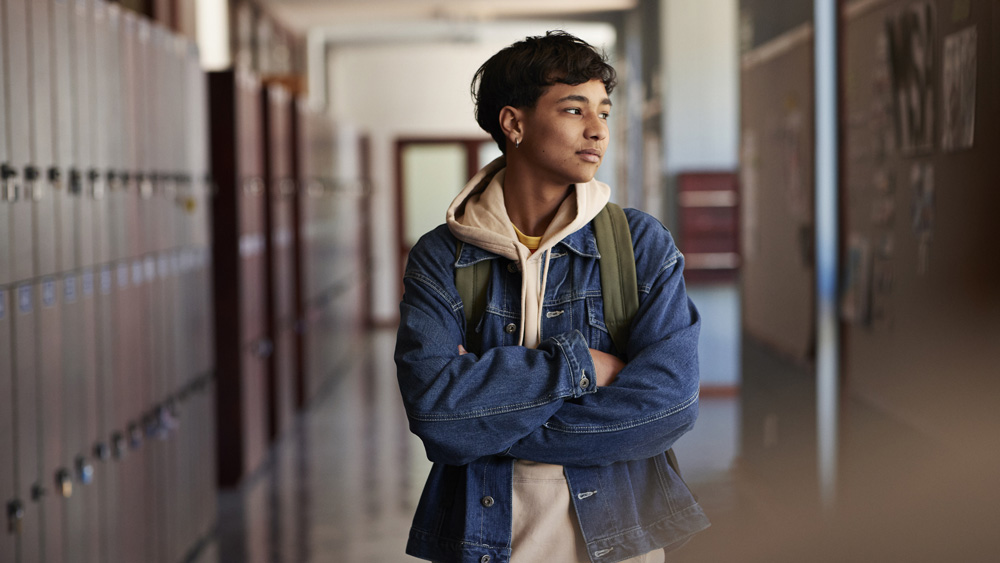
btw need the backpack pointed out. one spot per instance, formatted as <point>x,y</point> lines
<point>619,286</point>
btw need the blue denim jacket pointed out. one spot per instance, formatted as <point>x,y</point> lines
<point>477,413</point>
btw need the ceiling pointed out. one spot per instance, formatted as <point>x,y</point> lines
<point>305,15</point>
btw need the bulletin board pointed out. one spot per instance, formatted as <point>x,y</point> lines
<point>921,180</point>
<point>776,183</point>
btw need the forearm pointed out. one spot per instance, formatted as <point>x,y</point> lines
<point>466,406</point>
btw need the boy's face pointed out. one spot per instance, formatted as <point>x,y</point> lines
<point>566,133</point>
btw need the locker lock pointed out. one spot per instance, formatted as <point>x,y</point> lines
<point>55,178</point>
<point>37,492</point>
<point>263,348</point>
<point>15,516</point>
<point>145,186</point>
<point>9,189</point>
<point>84,470</point>
<point>75,182</point>
<point>119,445</point>
<point>32,190</point>
<point>134,436</point>
<point>96,187</point>
<point>102,451</point>
<point>111,179</point>
<point>64,483</point>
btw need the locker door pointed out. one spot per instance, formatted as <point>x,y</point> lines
<point>30,484</point>
<point>8,459</point>
<point>77,381</point>
<point>126,370</point>
<point>42,144</point>
<point>55,469</point>
<point>108,476</point>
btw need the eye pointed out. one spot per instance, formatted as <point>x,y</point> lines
<point>604,115</point>
<point>574,111</point>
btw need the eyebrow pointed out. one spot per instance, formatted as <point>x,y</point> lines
<point>583,99</point>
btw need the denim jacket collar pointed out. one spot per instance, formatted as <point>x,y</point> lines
<point>581,242</point>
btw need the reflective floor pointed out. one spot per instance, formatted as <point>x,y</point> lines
<point>343,484</point>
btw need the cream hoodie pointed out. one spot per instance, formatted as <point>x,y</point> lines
<point>544,526</point>
<point>478,217</point>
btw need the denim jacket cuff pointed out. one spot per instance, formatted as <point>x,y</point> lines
<point>580,364</point>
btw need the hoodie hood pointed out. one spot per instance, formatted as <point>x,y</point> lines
<point>479,217</point>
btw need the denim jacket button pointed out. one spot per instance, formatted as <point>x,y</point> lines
<point>512,267</point>
<point>487,501</point>
<point>584,383</point>
<point>509,329</point>
<point>484,559</point>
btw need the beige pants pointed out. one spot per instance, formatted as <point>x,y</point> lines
<point>545,527</point>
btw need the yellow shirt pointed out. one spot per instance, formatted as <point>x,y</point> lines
<point>531,242</point>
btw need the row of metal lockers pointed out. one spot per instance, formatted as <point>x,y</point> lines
<point>181,270</point>
<point>106,356</point>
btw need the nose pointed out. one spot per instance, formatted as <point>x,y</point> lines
<point>597,128</point>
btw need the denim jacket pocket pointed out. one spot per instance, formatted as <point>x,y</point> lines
<point>597,335</point>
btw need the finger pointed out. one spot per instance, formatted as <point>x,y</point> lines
<point>461,350</point>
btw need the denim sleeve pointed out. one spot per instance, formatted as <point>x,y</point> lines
<point>654,400</point>
<point>466,407</point>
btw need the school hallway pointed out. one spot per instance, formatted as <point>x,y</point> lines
<point>207,208</point>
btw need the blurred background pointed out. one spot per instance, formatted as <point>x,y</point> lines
<point>206,206</point>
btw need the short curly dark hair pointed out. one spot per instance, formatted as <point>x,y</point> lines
<point>519,74</point>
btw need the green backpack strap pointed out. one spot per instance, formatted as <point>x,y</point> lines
<point>619,287</point>
<point>471,282</point>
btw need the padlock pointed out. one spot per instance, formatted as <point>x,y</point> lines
<point>84,470</point>
<point>15,516</point>
<point>102,451</point>
<point>134,436</point>
<point>119,445</point>
<point>55,178</point>
<point>37,492</point>
<point>64,483</point>
<point>32,189</point>
<point>75,182</point>
<point>8,189</point>
<point>96,186</point>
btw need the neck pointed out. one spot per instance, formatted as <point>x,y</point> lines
<point>531,203</point>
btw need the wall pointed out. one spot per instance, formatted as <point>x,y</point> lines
<point>700,84</point>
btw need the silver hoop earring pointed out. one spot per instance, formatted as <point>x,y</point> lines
<point>517,144</point>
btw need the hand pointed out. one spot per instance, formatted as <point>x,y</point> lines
<point>461,350</point>
<point>607,367</point>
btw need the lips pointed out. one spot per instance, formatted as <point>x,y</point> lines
<point>590,155</point>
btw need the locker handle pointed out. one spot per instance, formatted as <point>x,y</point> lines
<point>75,183</point>
<point>119,445</point>
<point>263,348</point>
<point>134,436</point>
<point>15,516</point>
<point>145,186</point>
<point>64,483</point>
<point>32,190</point>
<point>37,492</point>
<point>84,470</point>
<point>55,178</point>
<point>253,186</point>
<point>111,179</point>
<point>96,187</point>
<point>102,451</point>
<point>9,189</point>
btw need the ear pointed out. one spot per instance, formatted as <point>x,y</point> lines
<point>511,123</point>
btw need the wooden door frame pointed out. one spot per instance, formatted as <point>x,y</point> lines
<point>472,166</point>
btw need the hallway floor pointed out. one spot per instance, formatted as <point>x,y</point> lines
<point>343,484</point>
